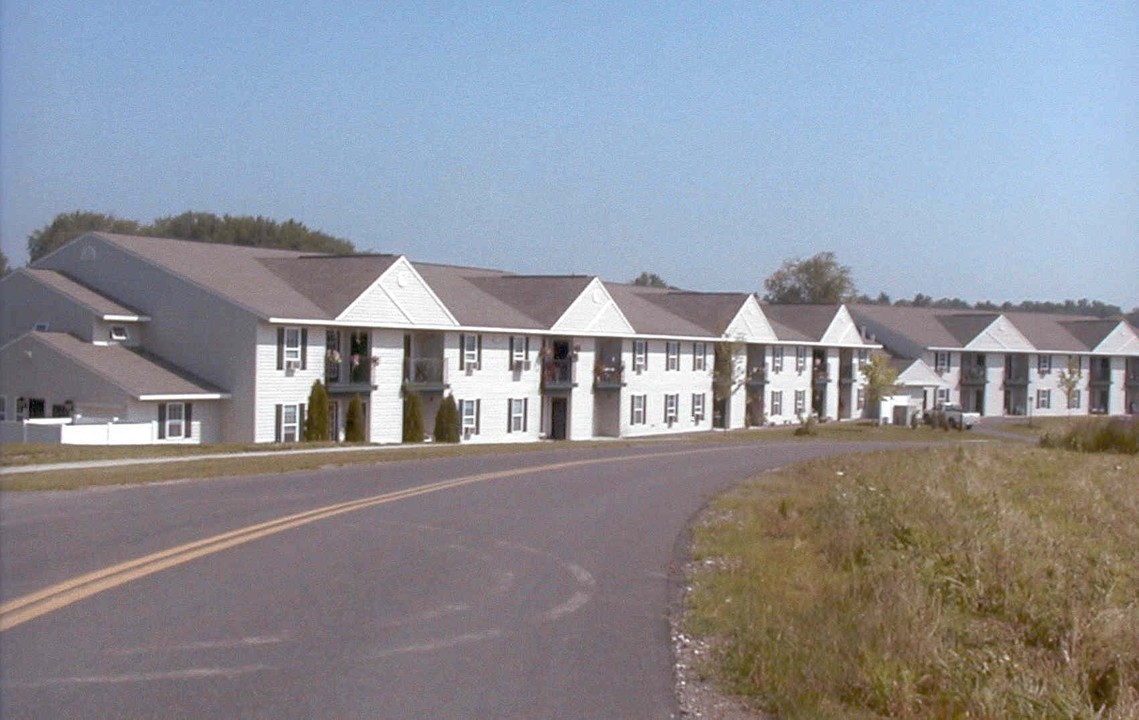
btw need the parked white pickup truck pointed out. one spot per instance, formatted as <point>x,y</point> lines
<point>952,416</point>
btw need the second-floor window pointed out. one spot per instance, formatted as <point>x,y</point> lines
<point>292,344</point>
<point>672,355</point>
<point>699,356</point>
<point>777,360</point>
<point>1044,364</point>
<point>640,354</point>
<point>800,359</point>
<point>519,351</point>
<point>941,361</point>
<point>470,351</point>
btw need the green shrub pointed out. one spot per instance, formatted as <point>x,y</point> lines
<point>354,429</point>
<point>807,426</point>
<point>412,418</point>
<point>447,421</point>
<point>316,423</point>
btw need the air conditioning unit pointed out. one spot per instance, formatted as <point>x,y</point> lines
<point>291,366</point>
<point>519,365</point>
<point>467,432</point>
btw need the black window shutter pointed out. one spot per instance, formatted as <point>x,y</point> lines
<point>304,348</point>
<point>189,419</point>
<point>527,346</point>
<point>478,415</point>
<point>510,357</point>
<point>478,352</point>
<point>280,348</point>
<point>525,412</point>
<point>462,351</point>
<point>161,421</point>
<point>300,421</point>
<point>510,412</point>
<point>277,426</point>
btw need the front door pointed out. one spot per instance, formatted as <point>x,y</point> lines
<point>559,409</point>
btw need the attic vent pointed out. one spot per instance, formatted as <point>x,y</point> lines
<point>87,254</point>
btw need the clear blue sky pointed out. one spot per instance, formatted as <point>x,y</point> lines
<point>983,150</point>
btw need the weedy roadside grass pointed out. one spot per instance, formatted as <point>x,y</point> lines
<point>968,581</point>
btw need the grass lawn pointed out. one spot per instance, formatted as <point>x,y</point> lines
<point>977,581</point>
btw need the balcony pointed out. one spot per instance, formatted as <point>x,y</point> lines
<point>820,376</point>
<point>1016,380</point>
<point>757,378</point>
<point>608,378</point>
<point>425,375</point>
<point>974,375</point>
<point>557,374</point>
<point>1132,380</point>
<point>349,375</point>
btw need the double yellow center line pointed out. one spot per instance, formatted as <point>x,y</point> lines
<point>28,607</point>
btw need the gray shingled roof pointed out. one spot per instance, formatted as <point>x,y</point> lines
<point>472,306</point>
<point>919,325</point>
<point>1047,331</point>
<point>964,327</point>
<point>231,271</point>
<point>1090,332</point>
<point>651,318</point>
<point>545,298</point>
<point>98,303</point>
<point>806,323</point>
<point>136,373</point>
<point>710,311</point>
<point>332,282</point>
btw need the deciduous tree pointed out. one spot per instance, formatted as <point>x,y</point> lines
<point>819,279</point>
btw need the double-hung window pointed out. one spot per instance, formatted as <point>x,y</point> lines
<point>290,420</point>
<point>519,351</point>
<point>942,396</point>
<point>941,361</point>
<point>1044,398</point>
<point>672,355</point>
<point>777,359</point>
<point>697,406</point>
<point>861,398</point>
<point>640,355</point>
<point>470,351</point>
<point>800,359</point>
<point>469,413</point>
<point>800,402</point>
<point>291,342</point>
<point>671,408</point>
<point>292,345</point>
<point>637,410</point>
<point>699,356</point>
<point>1074,400</point>
<point>1044,364</point>
<point>517,415</point>
<point>776,402</point>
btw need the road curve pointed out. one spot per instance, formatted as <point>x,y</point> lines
<point>530,585</point>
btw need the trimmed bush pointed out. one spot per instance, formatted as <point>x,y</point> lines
<point>354,430</point>
<point>447,421</point>
<point>412,418</point>
<point>316,423</point>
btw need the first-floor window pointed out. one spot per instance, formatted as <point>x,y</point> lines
<point>1074,400</point>
<point>776,402</point>
<point>174,420</point>
<point>290,419</point>
<point>697,406</point>
<point>800,401</point>
<point>3,408</point>
<point>861,398</point>
<point>942,396</point>
<point>1044,398</point>
<point>637,410</point>
<point>469,412</point>
<point>671,408</point>
<point>517,420</point>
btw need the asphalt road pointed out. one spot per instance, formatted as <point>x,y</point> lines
<point>532,585</point>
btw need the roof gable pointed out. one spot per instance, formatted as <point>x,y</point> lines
<point>750,324</point>
<point>917,373</point>
<point>398,296</point>
<point>593,312</point>
<point>842,330</point>
<point>1121,340</point>
<point>1000,336</point>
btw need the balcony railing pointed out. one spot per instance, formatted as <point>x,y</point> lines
<point>425,374</point>
<point>973,375</point>
<point>1132,379</point>
<point>1100,381</point>
<point>1017,379</point>
<point>557,374</point>
<point>352,374</point>
<point>608,378</point>
<point>821,376</point>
